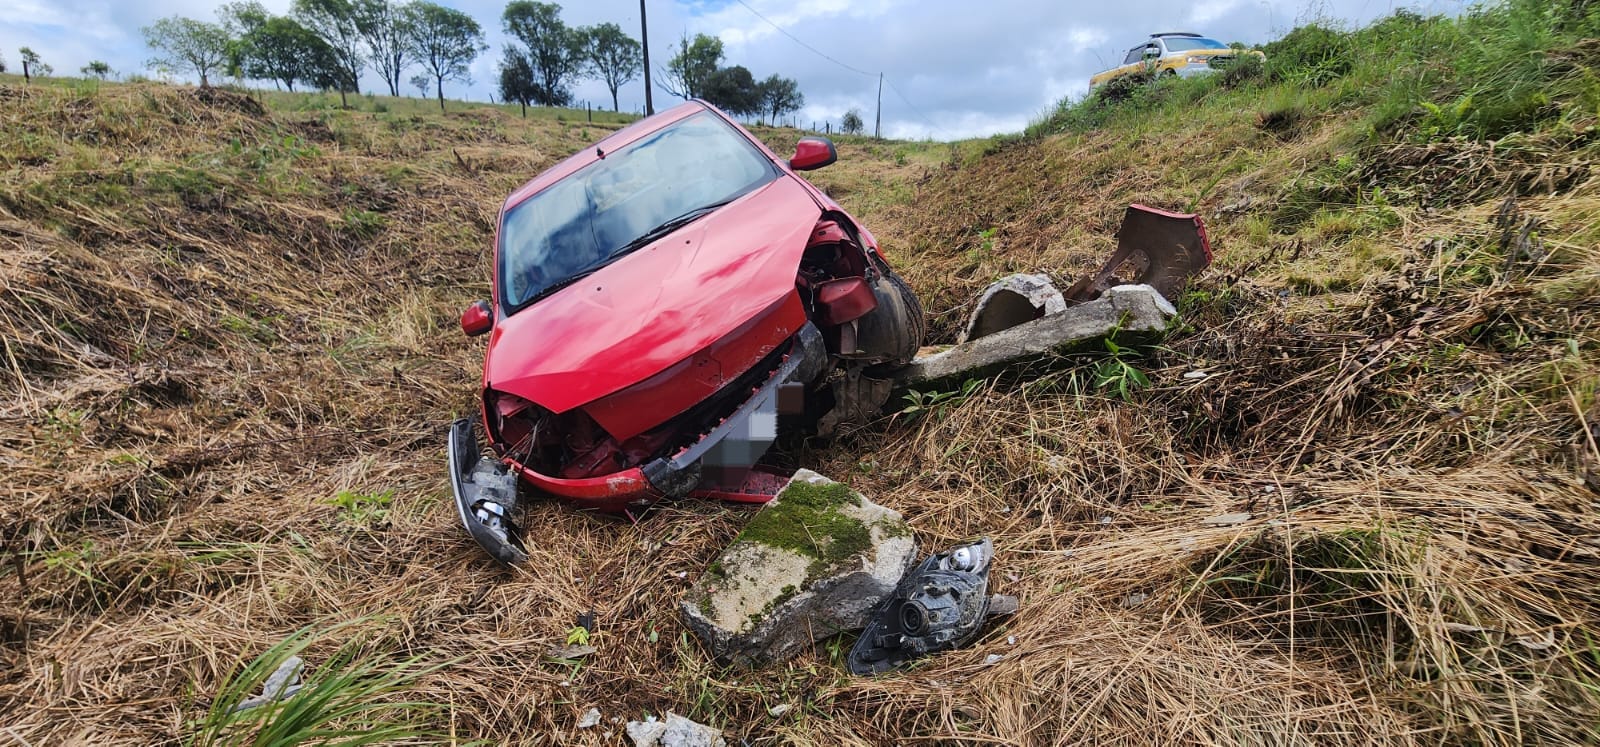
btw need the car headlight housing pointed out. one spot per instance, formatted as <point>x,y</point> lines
<point>1193,60</point>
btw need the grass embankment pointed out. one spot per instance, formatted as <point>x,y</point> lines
<point>230,353</point>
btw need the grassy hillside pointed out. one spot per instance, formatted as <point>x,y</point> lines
<point>230,354</point>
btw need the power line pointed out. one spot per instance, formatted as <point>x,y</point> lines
<point>852,69</point>
<point>913,107</point>
<point>796,40</point>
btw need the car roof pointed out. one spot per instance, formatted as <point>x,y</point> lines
<point>1175,33</point>
<point>619,139</point>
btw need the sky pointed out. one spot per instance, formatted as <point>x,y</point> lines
<point>952,68</point>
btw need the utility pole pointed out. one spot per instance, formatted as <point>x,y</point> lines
<point>644,35</point>
<point>877,125</point>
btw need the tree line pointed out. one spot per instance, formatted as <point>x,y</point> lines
<point>328,44</point>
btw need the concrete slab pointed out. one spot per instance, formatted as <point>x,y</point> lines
<point>1126,311</point>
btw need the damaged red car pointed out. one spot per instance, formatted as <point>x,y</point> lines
<point>662,300</point>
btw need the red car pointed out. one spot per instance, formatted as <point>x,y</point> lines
<point>659,299</point>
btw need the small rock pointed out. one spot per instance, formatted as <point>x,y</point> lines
<point>591,719</point>
<point>778,710</point>
<point>646,733</point>
<point>992,659</point>
<point>676,731</point>
<point>1011,640</point>
<point>1195,375</point>
<point>1135,599</point>
<point>1226,520</point>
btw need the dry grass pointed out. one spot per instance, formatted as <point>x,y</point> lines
<point>216,321</point>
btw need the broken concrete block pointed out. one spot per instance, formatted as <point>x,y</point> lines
<point>1124,310</point>
<point>817,560</point>
<point>676,731</point>
<point>1010,301</point>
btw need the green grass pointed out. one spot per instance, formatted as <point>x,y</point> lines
<point>1499,68</point>
<point>345,699</point>
<point>312,101</point>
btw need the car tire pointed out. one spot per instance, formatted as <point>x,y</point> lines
<point>915,319</point>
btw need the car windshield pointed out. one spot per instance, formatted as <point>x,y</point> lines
<point>621,202</point>
<point>1186,43</point>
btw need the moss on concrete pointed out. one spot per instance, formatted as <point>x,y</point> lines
<point>809,520</point>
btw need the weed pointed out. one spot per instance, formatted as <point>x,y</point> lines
<point>344,700</point>
<point>1116,373</point>
<point>362,509</point>
<point>362,224</point>
<point>919,403</point>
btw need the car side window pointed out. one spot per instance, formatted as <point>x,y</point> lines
<point>1134,55</point>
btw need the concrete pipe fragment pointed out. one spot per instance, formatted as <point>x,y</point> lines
<point>1010,301</point>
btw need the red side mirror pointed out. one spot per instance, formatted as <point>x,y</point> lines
<point>477,319</point>
<point>813,153</point>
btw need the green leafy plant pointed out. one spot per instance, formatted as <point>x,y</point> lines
<point>985,247</point>
<point>921,403</point>
<point>1115,373</point>
<point>362,509</point>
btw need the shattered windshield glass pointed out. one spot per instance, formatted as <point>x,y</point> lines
<point>1184,44</point>
<point>622,202</point>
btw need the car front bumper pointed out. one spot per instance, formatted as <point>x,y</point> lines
<point>733,445</point>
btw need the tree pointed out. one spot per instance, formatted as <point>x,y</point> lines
<point>733,90</point>
<point>851,124</point>
<point>186,45</point>
<point>613,55</point>
<point>693,63</point>
<point>96,69</point>
<point>553,52</point>
<point>421,82</point>
<point>383,27</point>
<point>32,65</point>
<point>779,96</point>
<point>516,79</point>
<point>242,17</point>
<point>444,40</point>
<point>282,50</point>
<point>334,21</point>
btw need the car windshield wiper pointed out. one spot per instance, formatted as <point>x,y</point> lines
<point>670,225</point>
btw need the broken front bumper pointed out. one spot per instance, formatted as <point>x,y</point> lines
<point>485,488</point>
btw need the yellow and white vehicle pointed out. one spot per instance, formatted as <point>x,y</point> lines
<point>1173,54</point>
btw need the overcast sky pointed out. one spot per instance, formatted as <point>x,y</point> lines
<point>954,68</point>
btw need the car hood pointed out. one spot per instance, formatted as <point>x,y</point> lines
<point>657,306</point>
